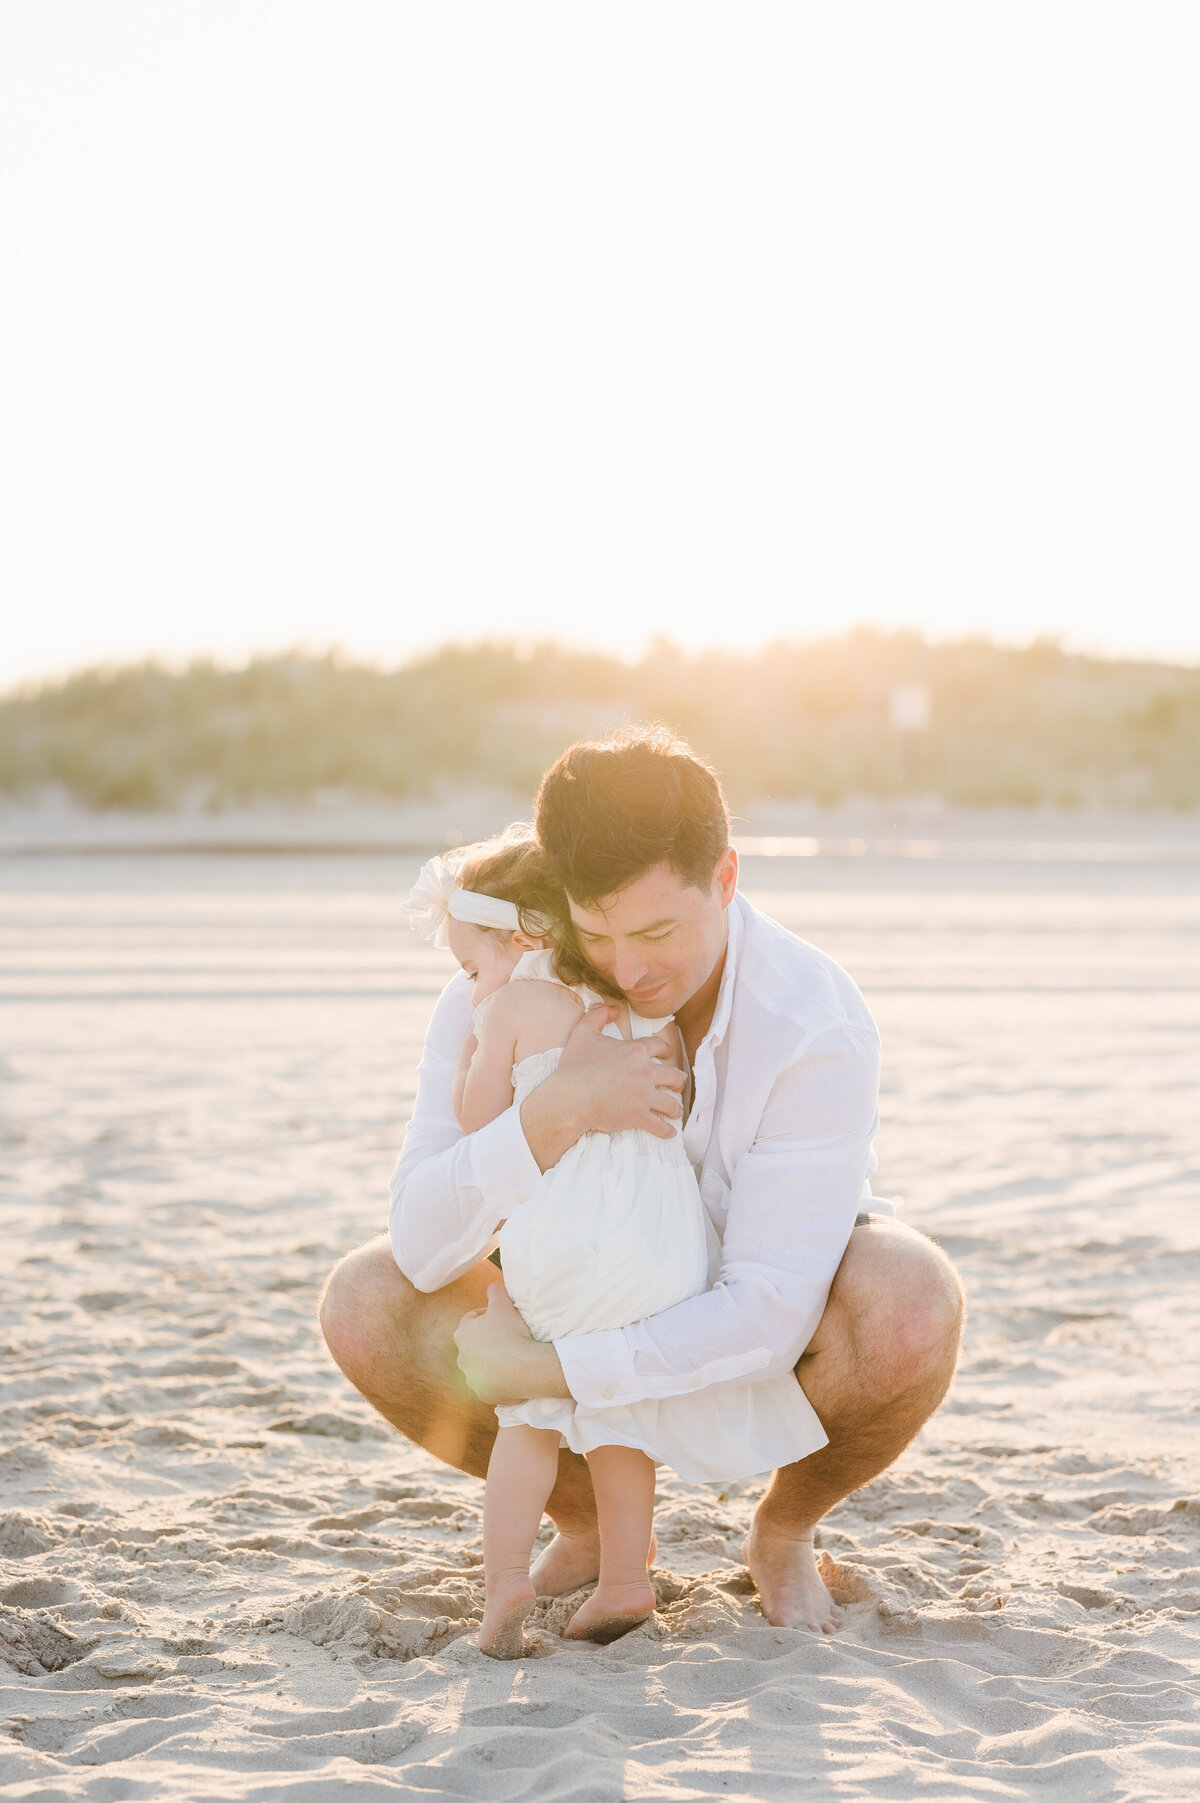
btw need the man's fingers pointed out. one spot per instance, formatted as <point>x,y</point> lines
<point>471,1315</point>
<point>668,1098</point>
<point>596,1019</point>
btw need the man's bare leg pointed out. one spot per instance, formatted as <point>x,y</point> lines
<point>877,1367</point>
<point>875,1370</point>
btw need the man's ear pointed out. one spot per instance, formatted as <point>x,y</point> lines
<point>725,876</point>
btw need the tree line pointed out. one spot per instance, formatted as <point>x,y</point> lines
<point>1015,726</point>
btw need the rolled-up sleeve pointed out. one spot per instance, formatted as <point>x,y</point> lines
<point>450,1190</point>
<point>791,1209</point>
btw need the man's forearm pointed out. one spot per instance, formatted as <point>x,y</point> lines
<point>543,1375</point>
<point>449,1199</point>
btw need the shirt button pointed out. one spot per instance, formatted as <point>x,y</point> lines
<point>695,1382</point>
<point>607,1395</point>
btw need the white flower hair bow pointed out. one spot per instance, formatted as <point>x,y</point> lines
<point>436,899</point>
<point>428,904</point>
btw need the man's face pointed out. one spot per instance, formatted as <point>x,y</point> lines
<point>659,939</point>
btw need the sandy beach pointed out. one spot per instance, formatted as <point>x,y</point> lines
<point>222,1578</point>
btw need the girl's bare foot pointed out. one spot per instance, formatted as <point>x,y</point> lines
<point>790,1588</point>
<point>611,1611</point>
<point>571,1561</point>
<point>510,1598</point>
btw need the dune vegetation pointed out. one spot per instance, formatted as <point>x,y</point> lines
<point>1021,726</point>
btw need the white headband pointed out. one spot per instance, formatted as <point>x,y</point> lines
<point>436,898</point>
<point>484,910</point>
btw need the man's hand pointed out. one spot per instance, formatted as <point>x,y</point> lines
<point>499,1357</point>
<point>603,1086</point>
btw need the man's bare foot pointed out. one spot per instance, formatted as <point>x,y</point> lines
<point>610,1612</point>
<point>790,1588</point>
<point>502,1633</point>
<point>571,1561</point>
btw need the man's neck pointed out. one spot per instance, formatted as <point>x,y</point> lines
<point>695,1017</point>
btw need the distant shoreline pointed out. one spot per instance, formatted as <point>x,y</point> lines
<point>920,831</point>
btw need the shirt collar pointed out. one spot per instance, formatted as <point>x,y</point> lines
<point>720,1019</point>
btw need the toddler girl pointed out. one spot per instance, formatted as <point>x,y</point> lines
<point>614,1233</point>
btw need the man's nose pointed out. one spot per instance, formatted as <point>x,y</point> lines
<point>628,970</point>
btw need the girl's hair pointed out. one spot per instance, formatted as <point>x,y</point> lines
<point>514,868</point>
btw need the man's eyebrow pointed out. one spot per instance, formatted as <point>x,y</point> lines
<point>655,926</point>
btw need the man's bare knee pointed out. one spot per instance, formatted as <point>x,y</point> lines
<point>364,1308</point>
<point>897,1298</point>
<point>925,1318</point>
<point>934,1320</point>
<point>396,1345</point>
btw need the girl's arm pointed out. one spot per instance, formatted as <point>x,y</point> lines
<point>458,1082</point>
<point>518,1020</point>
<point>483,1080</point>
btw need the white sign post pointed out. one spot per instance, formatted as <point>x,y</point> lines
<point>909,707</point>
<point>911,714</point>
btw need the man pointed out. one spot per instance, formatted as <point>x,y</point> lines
<point>780,1113</point>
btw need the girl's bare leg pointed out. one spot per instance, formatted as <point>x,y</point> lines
<point>623,1480</point>
<point>520,1477</point>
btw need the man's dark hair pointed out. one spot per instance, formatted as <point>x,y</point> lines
<point>609,811</point>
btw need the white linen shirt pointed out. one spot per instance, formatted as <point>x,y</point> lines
<point>780,1132</point>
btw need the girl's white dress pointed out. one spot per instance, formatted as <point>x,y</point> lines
<point>615,1232</point>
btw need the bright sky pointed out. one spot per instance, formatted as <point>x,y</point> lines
<point>385,323</point>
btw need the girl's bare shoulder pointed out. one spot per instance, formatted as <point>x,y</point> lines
<point>531,1003</point>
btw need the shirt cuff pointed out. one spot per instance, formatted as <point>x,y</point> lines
<point>599,1369</point>
<point>505,1171</point>
<point>602,1373</point>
